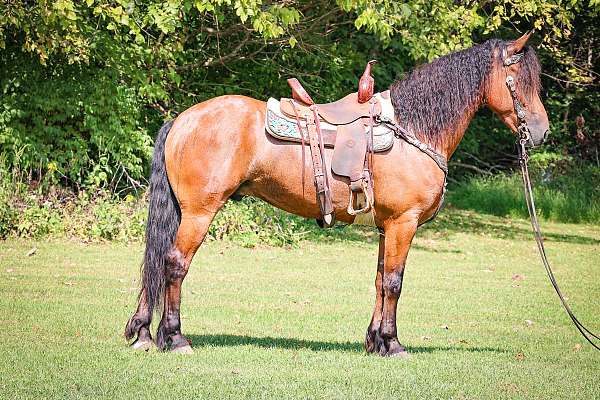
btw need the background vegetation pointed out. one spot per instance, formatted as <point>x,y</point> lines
<point>85,85</point>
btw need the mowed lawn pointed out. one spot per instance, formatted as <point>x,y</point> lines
<point>477,313</point>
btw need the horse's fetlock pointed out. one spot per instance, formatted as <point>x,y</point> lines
<point>388,332</point>
<point>135,325</point>
<point>170,324</point>
<point>142,319</point>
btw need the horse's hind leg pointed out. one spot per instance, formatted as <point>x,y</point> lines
<point>139,324</point>
<point>190,235</point>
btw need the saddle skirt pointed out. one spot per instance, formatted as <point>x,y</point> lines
<point>283,127</point>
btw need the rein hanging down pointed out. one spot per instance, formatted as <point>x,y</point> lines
<point>524,139</point>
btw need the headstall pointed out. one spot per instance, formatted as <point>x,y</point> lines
<point>522,130</point>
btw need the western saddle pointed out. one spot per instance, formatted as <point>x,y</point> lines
<point>353,117</point>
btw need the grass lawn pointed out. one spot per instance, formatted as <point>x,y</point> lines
<point>477,313</point>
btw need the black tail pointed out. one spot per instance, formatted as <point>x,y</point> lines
<point>164,217</point>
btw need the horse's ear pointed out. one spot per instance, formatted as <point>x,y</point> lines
<point>518,45</point>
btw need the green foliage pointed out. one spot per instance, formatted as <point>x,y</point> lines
<point>8,211</point>
<point>563,192</point>
<point>98,218</point>
<point>253,222</point>
<point>101,216</point>
<point>77,125</point>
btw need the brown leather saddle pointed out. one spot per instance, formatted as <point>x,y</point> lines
<point>353,117</point>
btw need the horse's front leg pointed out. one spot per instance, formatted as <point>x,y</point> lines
<point>372,338</point>
<point>398,238</point>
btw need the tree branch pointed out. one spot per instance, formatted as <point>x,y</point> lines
<point>469,166</point>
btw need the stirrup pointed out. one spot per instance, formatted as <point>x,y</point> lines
<point>369,201</point>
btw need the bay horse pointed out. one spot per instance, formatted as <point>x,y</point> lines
<point>219,148</point>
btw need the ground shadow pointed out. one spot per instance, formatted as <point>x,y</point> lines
<point>226,340</point>
<point>448,223</point>
<point>455,221</point>
<point>431,249</point>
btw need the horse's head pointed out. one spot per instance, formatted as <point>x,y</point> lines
<point>513,91</point>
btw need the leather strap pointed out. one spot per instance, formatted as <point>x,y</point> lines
<point>320,174</point>
<point>523,141</point>
<point>315,111</point>
<point>438,158</point>
<point>537,233</point>
<point>302,141</point>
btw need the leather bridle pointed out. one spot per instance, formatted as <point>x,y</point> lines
<point>524,138</point>
<point>522,129</point>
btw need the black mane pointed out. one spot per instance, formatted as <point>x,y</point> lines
<point>434,97</point>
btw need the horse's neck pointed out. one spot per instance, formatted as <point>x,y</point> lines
<point>456,134</point>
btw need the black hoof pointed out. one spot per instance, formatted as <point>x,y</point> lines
<point>144,339</point>
<point>187,349</point>
<point>395,349</point>
<point>172,341</point>
<point>142,345</point>
<point>385,347</point>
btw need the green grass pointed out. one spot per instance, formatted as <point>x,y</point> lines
<point>569,198</point>
<point>289,323</point>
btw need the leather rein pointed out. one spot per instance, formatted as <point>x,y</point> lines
<point>524,138</point>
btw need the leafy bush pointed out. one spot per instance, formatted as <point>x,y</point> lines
<point>71,124</point>
<point>102,216</point>
<point>252,222</point>
<point>564,191</point>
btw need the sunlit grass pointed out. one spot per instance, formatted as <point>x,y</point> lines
<point>477,313</point>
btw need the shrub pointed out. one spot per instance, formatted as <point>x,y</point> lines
<point>102,216</point>
<point>564,191</point>
<point>73,125</point>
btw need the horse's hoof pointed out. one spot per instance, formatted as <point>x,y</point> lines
<point>183,350</point>
<point>396,350</point>
<point>142,345</point>
<point>398,354</point>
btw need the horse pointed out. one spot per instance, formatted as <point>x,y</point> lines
<point>218,149</point>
